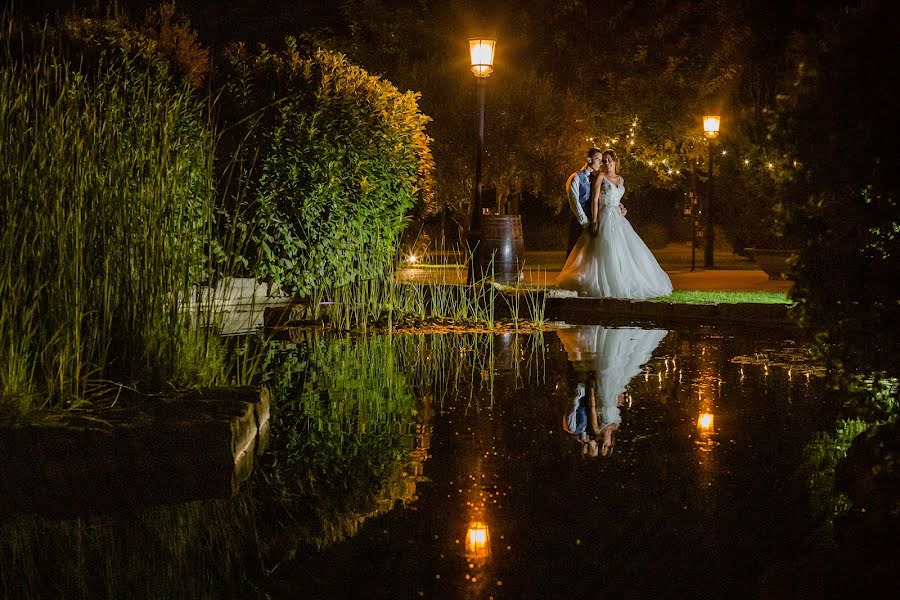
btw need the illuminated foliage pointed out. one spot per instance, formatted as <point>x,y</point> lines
<point>330,160</point>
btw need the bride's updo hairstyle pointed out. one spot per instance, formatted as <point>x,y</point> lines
<point>612,155</point>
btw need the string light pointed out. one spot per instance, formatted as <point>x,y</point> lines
<point>662,166</point>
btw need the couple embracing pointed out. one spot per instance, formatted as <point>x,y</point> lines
<point>608,260</point>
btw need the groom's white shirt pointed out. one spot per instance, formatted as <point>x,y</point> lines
<point>573,188</point>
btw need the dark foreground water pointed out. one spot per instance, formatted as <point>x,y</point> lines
<point>604,462</point>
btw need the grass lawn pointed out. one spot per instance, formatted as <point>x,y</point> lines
<point>716,297</point>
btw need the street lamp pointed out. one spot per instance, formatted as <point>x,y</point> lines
<point>711,131</point>
<point>481,50</point>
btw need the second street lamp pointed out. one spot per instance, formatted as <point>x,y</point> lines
<point>711,131</point>
<point>481,50</point>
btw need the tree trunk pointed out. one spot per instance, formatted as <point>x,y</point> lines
<point>514,202</point>
<point>501,201</point>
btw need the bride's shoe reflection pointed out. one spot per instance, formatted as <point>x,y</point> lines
<point>602,361</point>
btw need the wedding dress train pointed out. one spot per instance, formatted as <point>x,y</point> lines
<point>615,263</point>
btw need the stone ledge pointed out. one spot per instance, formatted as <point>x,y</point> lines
<point>583,310</point>
<point>571,308</point>
<point>199,444</point>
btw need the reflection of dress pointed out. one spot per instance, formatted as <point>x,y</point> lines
<point>615,355</point>
<point>615,263</point>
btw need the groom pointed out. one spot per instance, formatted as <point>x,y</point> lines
<point>578,189</point>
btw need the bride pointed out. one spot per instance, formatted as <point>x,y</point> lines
<point>610,260</point>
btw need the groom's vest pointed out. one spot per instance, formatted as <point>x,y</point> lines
<point>584,192</point>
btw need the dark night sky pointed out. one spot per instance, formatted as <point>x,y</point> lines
<point>221,21</point>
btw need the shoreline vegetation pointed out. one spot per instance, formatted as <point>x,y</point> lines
<point>106,166</point>
<point>129,213</point>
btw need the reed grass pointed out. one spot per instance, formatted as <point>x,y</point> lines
<point>106,192</point>
<point>389,303</point>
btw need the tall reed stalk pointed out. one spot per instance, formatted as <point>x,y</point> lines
<point>106,196</point>
<point>360,304</point>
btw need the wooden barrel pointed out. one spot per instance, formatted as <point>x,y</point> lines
<point>500,248</point>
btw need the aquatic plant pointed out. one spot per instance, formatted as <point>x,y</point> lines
<point>106,187</point>
<point>873,402</point>
<point>387,304</point>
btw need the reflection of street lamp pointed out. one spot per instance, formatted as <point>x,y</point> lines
<point>481,50</point>
<point>478,542</point>
<point>706,423</point>
<point>711,131</point>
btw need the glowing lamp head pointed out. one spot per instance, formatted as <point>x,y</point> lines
<point>711,125</point>
<point>481,51</point>
<point>478,541</point>
<point>412,259</point>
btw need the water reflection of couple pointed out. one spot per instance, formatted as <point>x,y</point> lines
<point>602,360</point>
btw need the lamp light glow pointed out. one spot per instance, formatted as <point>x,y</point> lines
<point>706,422</point>
<point>481,51</point>
<point>478,541</point>
<point>711,125</point>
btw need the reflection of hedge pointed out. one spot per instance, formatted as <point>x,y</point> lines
<point>343,427</point>
<point>331,160</point>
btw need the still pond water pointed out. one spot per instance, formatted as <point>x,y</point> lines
<point>604,461</point>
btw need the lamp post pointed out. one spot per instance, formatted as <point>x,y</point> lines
<point>693,200</point>
<point>481,51</point>
<point>711,131</point>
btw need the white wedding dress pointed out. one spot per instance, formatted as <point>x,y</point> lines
<point>615,263</point>
<point>615,355</point>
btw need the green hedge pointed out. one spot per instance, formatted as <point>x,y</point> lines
<point>329,160</point>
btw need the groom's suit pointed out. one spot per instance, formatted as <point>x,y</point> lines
<point>578,190</point>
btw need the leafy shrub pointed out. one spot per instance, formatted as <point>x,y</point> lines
<point>330,159</point>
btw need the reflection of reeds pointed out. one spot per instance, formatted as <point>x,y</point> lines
<point>350,429</point>
<point>189,550</point>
